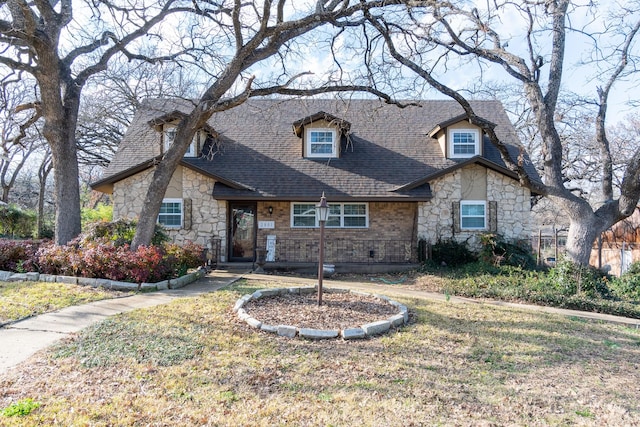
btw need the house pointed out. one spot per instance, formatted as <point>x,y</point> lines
<point>619,246</point>
<point>392,177</point>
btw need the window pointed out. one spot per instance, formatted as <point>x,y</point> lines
<point>171,213</point>
<point>321,143</point>
<point>341,215</point>
<point>303,215</point>
<point>473,215</point>
<point>464,143</point>
<point>169,136</point>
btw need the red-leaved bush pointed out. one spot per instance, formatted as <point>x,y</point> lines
<point>18,255</point>
<point>101,258</point>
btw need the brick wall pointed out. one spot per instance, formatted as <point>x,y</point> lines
<point>390,235</point>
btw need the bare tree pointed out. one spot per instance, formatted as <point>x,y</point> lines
<point>265,33</point>
<point>18,139</point>
<point>111,99</point>
<point>54,43</point>
<point>433,39</point>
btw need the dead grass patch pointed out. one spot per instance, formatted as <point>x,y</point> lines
<point>457,364</point>
<point>23,299</point>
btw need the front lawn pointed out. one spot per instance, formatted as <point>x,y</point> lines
<point>192,363</point>
<point>23,299</point>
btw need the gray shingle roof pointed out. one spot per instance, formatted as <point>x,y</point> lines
<point>260,156</point>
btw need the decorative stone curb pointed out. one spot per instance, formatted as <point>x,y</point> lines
<point>8,276</point>
<point>366,330</point>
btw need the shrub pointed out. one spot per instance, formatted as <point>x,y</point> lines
<point>16,222</point>
<point>189,255</point>
<point>55,259</point>
<point>497,251</point>
<point>118,232</point>
<point>451,253</point>
<point>627,286</point>
<point>101,213</point>
<point>573,279</point>
<point>117,262</point>
<point>18,255</point>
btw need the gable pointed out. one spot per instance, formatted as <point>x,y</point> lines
<point>458,139</point>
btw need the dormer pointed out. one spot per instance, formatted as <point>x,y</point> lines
<point>321,134</point>
<point>458,139</point>
<point>167,124</point>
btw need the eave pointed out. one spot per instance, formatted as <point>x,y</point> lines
<point>298,125</point>
<point>473,160</point>
<point>106,185</point>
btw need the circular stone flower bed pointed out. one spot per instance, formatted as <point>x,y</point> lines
<point>292,312</point>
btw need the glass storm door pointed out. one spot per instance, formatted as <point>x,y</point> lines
<point>243,231</point>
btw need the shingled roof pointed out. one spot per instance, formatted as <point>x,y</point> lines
<point>386,155</point>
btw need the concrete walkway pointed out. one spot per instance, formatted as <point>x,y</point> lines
<point>21,340</point>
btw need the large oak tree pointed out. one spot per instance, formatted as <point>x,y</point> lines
<point>62,44</point>
<point>527,42</point>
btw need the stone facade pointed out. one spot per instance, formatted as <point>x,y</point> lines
<point>392,235</point>
<point>208,217</point>
<point>436,217</point>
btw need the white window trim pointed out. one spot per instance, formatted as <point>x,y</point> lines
<point>451,132</point>
<point>292,217</point>
<point>168,140</point>
<point>173,200</point>
<point>486,216</point>
<point>342,216</point>
<point>334,151</point>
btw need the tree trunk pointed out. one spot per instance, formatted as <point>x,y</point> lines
<point>43,174</point>
<point>60,103</point>
<point>580,240</point>
<point>67,191</point>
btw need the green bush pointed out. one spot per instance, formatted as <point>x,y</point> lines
<point>451,253</point>
<point>556,288</point>
<point>627,286</point>
<point>16,223</point>
<point>498,251</point>
<point>101,212</point>
<point>119,232</point>
<point>573,279</point>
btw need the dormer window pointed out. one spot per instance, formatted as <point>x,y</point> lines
<point>321,142</point>
<point>169,135</point>
<point>464,143</point>
<point>321,134</point>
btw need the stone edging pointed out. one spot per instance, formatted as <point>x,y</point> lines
<point>366,330</point>
<point>9,276</point>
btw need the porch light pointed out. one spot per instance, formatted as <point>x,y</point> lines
<point>322,214</point>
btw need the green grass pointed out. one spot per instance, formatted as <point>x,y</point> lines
<point>456,364</point>
<point>21,408</point>
<point>23,299</point>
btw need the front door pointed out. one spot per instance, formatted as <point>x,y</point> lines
<point>243,231</point>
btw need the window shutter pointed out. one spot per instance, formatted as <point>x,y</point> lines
<point>186,205</point>
<point>455,209</point>
<point>493,216</point>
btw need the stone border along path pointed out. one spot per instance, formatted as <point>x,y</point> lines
<point>179,282</point>
<point>366,330</point>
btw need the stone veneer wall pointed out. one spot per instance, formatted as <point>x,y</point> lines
<point>514,206</point>
<point>208,216</point>
<point>435,218</point>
